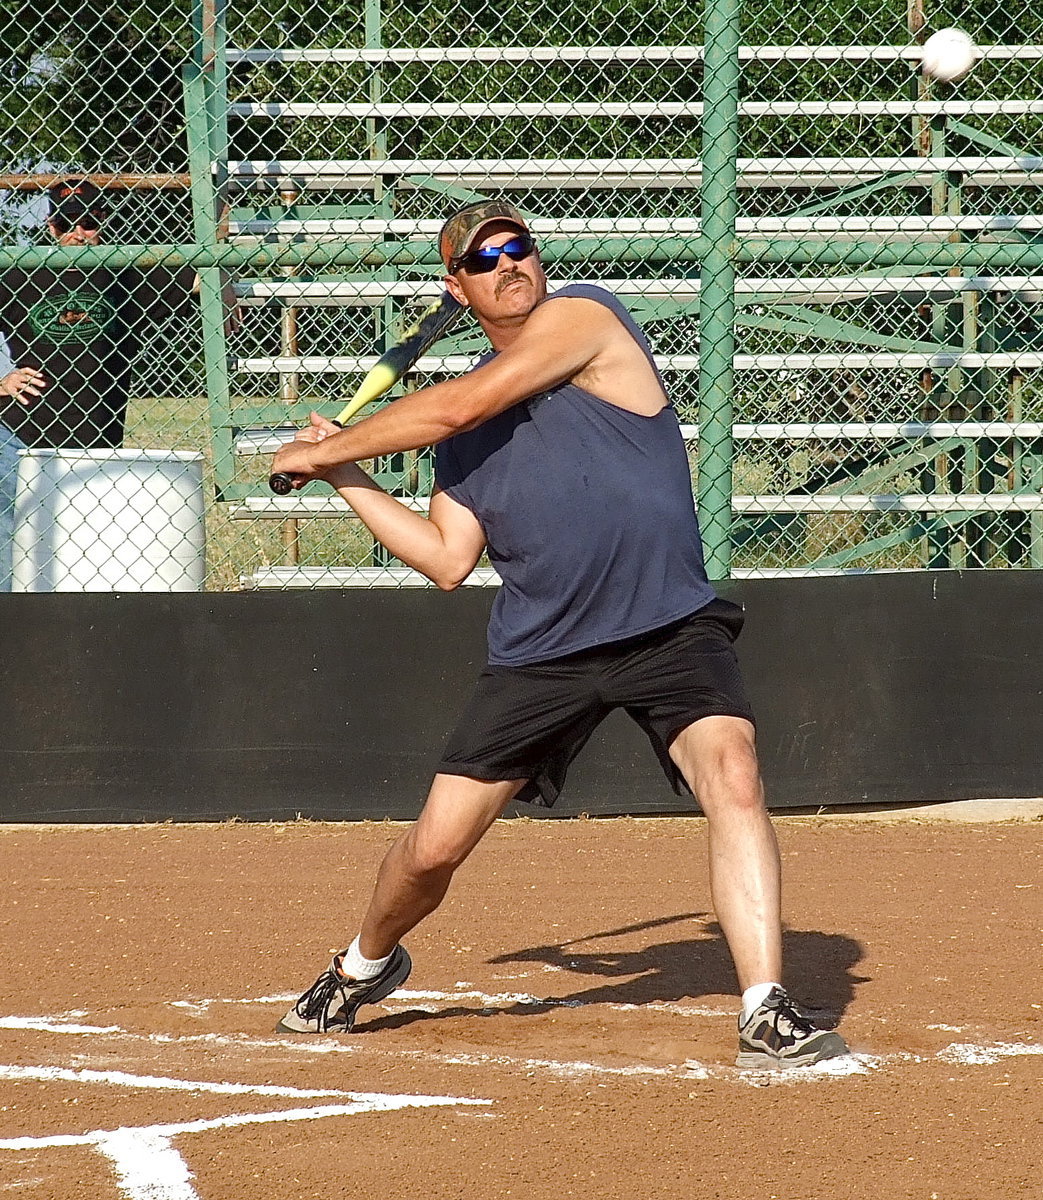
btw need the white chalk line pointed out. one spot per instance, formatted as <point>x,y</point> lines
<point>856,1064</point>
<point>245,1040</point>
<point>566,1068</point>
<point>161,1083</point>
<point>965,1054</point>
<point>54,1025</point>
<point>416,999</point>
<point>360,1102</point>
<point>149,1167</point>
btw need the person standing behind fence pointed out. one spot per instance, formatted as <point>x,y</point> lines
<point>78,331</point>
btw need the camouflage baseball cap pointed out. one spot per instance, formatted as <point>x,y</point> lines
<point>465,226</point>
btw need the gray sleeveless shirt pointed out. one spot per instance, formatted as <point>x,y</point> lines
<point>588,514</point>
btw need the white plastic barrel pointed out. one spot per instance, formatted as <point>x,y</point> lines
<point>108,521</point>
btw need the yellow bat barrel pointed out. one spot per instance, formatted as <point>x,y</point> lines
<point>390,367</point>
<point>382,375</point>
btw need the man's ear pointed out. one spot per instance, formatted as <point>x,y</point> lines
<point>452,286</point>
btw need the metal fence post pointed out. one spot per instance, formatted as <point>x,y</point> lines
<point>207,137</point>
<point>717,294</point>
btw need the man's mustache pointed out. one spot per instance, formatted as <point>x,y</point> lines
<point>505,280</point>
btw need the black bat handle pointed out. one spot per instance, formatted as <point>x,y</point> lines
<point>281,483</point>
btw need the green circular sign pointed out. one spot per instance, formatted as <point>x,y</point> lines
<point>75,317</point>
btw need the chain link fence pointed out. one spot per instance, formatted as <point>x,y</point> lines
<point>842,281</point>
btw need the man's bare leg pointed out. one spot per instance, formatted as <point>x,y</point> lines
<point>411,883</point>
<point>717,757</point>
<point>415,874</point>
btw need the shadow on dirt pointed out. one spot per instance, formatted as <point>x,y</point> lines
<point>819,972</point>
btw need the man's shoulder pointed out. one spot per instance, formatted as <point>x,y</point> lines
<point>18,281</point>
<point>22,291</point>
<point>45,282</point>
<point>583,291</point>
<point>597,304</point>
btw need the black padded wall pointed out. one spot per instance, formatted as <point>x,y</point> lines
<point>906,688</point>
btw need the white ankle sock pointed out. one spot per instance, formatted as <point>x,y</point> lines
<point>356,966</point>
<point>753,996</point>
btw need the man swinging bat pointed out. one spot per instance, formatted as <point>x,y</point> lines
<point>560,454</point>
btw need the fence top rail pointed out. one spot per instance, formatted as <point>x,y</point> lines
<point>29,182</point>
<point>811,226</point>
<point>829,288</point>
<point>453,364</point>
<point>480,54</point>
<point>268,440</point>
<point>764,431</point>
<point>888,502</point>
<point>419,110</point>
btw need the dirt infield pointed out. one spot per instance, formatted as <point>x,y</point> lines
<point>568,1030</point>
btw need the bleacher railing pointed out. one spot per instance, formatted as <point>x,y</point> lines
<point>837,260</point>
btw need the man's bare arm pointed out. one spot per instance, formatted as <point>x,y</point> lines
<point>559,340</point>
<point>444,546</point>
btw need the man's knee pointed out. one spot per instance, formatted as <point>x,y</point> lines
<point>433,852</point>
<point>718,758</point>
<point>735,779</point>
<point>456,817</point>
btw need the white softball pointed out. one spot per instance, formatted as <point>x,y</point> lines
<point>948,55</point>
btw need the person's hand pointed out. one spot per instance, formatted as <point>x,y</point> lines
<point>295,458</point>
<point>23,384</point>
<point>318,427</point>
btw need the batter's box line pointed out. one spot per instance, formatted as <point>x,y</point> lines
<point>50,1074</point>
<point>490,1002</point>
<point>568,1069</point>
<point>957,1053</point>
<point>149,1167</point>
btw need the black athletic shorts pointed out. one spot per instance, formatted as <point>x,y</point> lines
<point>530,722</point>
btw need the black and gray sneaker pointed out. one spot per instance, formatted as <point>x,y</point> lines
<point>778,1034</point>
<point>333,1000</point>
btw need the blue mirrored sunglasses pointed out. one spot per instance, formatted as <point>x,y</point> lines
<point>477,262</point>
